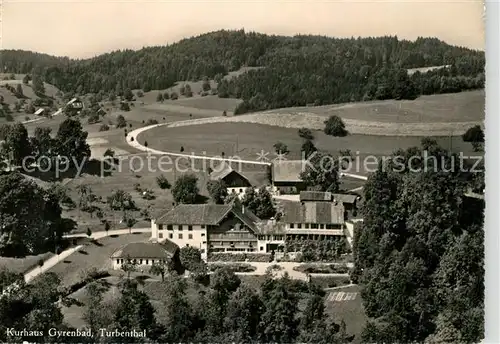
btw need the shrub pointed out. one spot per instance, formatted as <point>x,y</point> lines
<point>163,182</point>
<point>124,106</point>
<point>9,118</point>
<point>120,122</point>
<point>104,127</point>
<point>151,121</point>
<point>239,257</point>
<point>334,126</point>
<point>306,134</point>
<point>235,267</point>
<point>26,118</point>
<point>140,94</point>
<point>137,187</point>
<point>474,134</point>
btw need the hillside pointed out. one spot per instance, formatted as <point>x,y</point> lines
<point>297,71</point>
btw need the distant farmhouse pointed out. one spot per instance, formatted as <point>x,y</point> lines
<point>235,181</point>
<point>74,106</point>
<point>285,176</point>
<point>232,228</point>
<point>40,112</point>
<point>144,255</point>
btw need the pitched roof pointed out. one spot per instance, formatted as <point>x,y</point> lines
<point>288,171</point>
<point>348,199</point>
<point>195,214</point>
<point>221,171</point>
<point>72,101</point>
<point>315,196</point>
<point>146,250</point>
<point>39,111</point>
<point>245,215</point>
<point>312,212</point>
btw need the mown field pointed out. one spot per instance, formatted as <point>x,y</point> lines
<point>248,140</point>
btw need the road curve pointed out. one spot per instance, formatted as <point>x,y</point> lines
<point>49,263</point>
<point>135,144</point>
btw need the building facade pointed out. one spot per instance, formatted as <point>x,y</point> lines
<point>285,176</point>
<point>144,255</point>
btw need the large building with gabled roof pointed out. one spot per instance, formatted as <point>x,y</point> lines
<point>235,181</point>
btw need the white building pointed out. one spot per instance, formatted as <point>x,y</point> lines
<point>234,180</point>
<point>144,255</point>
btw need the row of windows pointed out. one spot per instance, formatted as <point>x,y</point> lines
<point>139,261</point>
<point>314,226</point>
<point>271,237</point>
<point>180,236</point>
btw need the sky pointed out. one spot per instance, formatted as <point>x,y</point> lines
<point>80,28</point>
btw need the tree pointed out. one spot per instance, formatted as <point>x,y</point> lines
<point>129,266</point>
<point>159,97</point>
<point>244,311</point>
<point>188,92</point>
<point>17,143</point>
<point>140,94</point>
<point>306,134</point>
<point>19,90</point>
<point>166,96</point>
<point>281,148</point>
<point>130,222</point>
<point>217,190</point>
<point>190,257</point>
<point>163,182</point>
<point>107,226</point>
<point>94,308</point>
<point>278,322</point>
<point>322,173</point>
<point>128,95</point>
<point>29,217</point>
<point>26,79</point>
<point>120,122</point>
<point>206,85</point>
<point>89,232</point>
<point>307,149</point>
<point>260,203</point>
<point>174,96</point>
<point>334,126</point>
<point>37,84</point>
<point>124,106</point>
<point>71,141</point>
<point>473,134</point>
<point>159,268</point>
<point>186,189</point>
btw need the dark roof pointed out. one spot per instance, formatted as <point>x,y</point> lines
<point>315,196</point>
<point>348,199</point>
<point>195,214</point>
<point>312,212</point>
<point>147,250</point>
<point>288,171</point>
<point>246,216</point>
<point>221,171</point>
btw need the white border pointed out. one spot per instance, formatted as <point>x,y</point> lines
<point>492,218</point>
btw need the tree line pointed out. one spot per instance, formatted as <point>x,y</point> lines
<point>296,71</point>
<point>419,254</point>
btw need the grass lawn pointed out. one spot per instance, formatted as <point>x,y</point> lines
<point>93,256</point>
<point>351,312</point>
<point>453,107</point>
<point>245,140</point>
<point>23,265</point>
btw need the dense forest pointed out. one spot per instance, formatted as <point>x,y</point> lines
<point>420,254</point>
<point>296,71</point>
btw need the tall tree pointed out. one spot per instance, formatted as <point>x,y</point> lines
<point>185,189</point>
<point>71,141</point>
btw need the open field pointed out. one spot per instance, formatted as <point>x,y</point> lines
<point>22,265</point>
<point>349,310</point>
<point>453,107</point>
<point>246,140</point>
<point>93,256</point>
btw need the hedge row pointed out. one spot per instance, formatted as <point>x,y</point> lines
<point>239,257</point>
<point>235,267</point>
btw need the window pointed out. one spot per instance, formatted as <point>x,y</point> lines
<point>307,226</point>
<point>170,235</point>
<point>190,236</point>
<point>180,236</point>
<point>160,235</point>
<point>262,248</point>
<point>202,234</point>
<point>147,262</point>
<point>291,225</point>
<point>160,226</point>
<point>204,242</point>
<point>190,228</point>
<point>170,227</point>
<point>314,226</point>
<point>322,226</point>
<point>187,245</point>
<point>241,190</point>
<point>202,226</point>
<point>140,261</point>
<point>180,227</point>
<point>299,225</point>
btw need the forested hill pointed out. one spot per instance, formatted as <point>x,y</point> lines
<point>298,70</point>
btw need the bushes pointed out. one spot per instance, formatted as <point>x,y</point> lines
<point>151,121</point>
<point>239,257</point>
<point>235,267</point>
<point>334,126</point>
<point>104,127</point>
<point>162,182</point>
<point>322,269</point>
<point>329,281</point>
